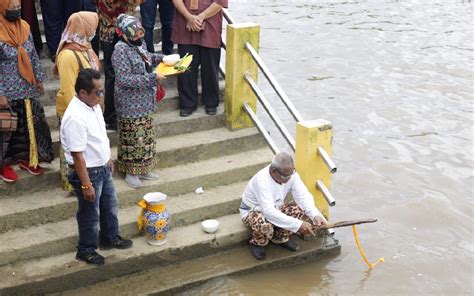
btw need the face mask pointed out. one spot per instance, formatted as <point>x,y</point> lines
<point>137,42</point>
<point>13,15</point>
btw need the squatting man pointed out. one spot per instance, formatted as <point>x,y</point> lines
<point>264,210</point>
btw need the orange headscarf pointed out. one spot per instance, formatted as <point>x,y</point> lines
<point>80,26</point>
<point>15,34</point>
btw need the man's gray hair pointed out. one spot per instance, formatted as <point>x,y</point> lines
<point>282,160</point>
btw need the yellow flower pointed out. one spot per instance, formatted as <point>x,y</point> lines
<point>160,236</point>
<point>160,223</point>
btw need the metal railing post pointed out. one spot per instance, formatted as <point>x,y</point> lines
<point>276,86</point>
<point>271,112</point>
<point>246,107</point>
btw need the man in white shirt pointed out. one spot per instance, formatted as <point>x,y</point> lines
<point>87,151</point>
<point>263,208</point>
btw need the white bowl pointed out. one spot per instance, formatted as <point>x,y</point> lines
<point>171,60</point>
<point>210,226</point>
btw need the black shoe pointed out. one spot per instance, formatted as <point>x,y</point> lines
<point>211,111</point>
<point>185,112</point>
<point>290,245</point>
<point>119,243</point>
<point>258,251</point>
<point>91,258</point>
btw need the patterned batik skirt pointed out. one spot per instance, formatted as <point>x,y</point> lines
<point>16,145</point>
<point>136,150</point>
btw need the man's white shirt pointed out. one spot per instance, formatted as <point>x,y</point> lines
<point>83,130</point>
<point>264,194</point>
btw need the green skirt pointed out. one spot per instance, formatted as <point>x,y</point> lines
<point>136,150</point>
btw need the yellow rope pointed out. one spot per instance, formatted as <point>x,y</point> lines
<point>33,161</point>
<point>370,265</point>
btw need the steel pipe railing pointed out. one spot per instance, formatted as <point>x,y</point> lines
<point>327,160</point>
<point>326,193</point>
<point>276,86</point>
<point>270,111</point>
<point>227,16</point>
<point>260,127</point>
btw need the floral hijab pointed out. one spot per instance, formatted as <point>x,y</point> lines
<point>80,27</point>
<point>126,28</point>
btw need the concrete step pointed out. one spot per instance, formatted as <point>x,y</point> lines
<point>180,149</point>
<point>61,273</point>
<point>54,239</point>
<point>167,124</point>
<point>170,102</point>
<point>55,204</point>
<point>171,280</point>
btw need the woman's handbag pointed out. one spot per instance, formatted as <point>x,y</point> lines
<point>8,120</point>
<point>160,92</point>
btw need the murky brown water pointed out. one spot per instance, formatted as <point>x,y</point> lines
<point>396,80</point>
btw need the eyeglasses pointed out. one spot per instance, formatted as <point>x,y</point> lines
<point>99,93</point>
<point>285,177</point>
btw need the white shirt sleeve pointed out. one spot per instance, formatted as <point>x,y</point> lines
<point>273,215</point>
<point>74,135</point>
<point>303,198</point>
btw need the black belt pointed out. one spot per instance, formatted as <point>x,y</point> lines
<point>72,167</point>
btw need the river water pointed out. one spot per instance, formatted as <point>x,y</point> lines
<point>396,80</point>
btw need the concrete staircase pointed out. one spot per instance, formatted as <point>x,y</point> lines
<point>38,230</point>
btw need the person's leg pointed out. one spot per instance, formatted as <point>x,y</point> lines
<point>28,13</point>
<point>52,11</point>
<point>187,82</point>
<point>210,58</point>
<point>166,9</point>
<point>89,5</point>
<point>262,230</point>
<point>88,213</point>
<point>109,227</point>
<point>70,7</point>
<point>109,112</point>
<point>148,14</point>
<point>293,210</point>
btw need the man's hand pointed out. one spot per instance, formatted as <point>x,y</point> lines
<point>89,194</point>
<point>111,166</point>
<point>194,23</point>
<point>3,102</point>
<point>160,77</point>
<point>40,87</point>
<point>306,228</point>
<point>319,221</point>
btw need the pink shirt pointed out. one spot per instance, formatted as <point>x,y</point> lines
<point>209,37</point>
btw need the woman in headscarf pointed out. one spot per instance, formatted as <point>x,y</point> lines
<point>135,91</point>
<point>21,85</point>
<point>74,54</point>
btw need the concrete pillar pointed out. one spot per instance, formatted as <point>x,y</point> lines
<point>309,164</point>
<point>238,62</point>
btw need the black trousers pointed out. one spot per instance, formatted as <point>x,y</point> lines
<point>55,16</point>
<point>109,112</point>
<point>208,59</point>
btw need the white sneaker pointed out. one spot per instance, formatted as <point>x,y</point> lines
<point>133,181</point>
<point>149,176</point>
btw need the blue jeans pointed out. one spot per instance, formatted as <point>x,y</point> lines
<point>103,211</point>
<point>148,14</point>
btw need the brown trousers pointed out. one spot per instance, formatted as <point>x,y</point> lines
<point>263,231</point>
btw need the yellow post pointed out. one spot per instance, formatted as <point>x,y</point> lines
<point>239,62</point>
<point>309,164</point>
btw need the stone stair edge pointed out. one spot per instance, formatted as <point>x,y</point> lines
<point>165,159</point>
<point>201,270</point>
<point>54,239</point>
<point>58,207</point>
<point>61,273</point>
